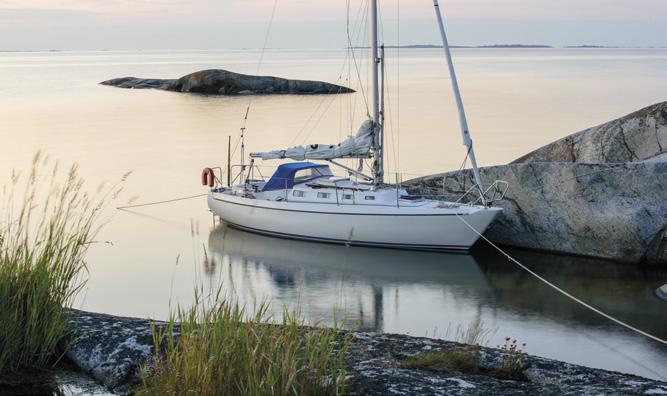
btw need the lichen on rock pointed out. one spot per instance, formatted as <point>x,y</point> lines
<point>110,348</point>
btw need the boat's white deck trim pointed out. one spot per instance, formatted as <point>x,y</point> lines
<point>429,209</point>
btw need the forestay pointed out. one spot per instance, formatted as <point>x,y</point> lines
<point>357,146</point>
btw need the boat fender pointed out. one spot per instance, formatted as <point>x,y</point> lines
<point>207,177</point>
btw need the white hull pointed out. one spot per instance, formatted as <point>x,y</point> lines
<point>427,226</point>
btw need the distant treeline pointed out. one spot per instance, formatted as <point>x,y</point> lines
<point>505,46</point>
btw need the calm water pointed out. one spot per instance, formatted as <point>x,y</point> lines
<point>517,100</point>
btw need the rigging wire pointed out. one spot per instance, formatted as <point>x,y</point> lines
<point>267,34</point>
<point>347,62</point>
<point>360,23</point>
<point>330,96</point>
<point>354,58</point>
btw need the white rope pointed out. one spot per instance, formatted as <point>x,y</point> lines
<point>563,292</point>
<point>161,202</point>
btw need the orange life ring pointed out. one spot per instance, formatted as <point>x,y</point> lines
<point>207,177</point>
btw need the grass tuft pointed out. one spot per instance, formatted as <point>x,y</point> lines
<point>463,359</point>
<point>219,349</point>
<point>46,226</point>
<point>466,357</point>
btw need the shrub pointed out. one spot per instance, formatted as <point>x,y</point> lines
<point>512,359</point>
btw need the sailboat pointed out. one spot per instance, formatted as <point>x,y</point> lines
<point>304,200</point>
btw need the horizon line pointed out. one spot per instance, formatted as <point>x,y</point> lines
<point>390,46</point>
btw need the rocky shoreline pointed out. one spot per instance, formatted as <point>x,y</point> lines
<point>223,82</point>
<point>113,349</point>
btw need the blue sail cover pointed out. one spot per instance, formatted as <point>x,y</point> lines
<point>283,177</point>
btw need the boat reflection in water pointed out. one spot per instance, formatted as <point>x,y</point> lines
<point>352,283</point>
<point>431,294</point>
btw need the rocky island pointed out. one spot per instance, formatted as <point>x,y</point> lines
<point>223,82</point>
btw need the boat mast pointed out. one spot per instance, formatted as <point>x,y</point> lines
<point>378,124</point>
<point>467,140</point>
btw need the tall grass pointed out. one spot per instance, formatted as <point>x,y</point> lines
<point>46,226</point>
<point>474,333</point>
<point>222,350</point>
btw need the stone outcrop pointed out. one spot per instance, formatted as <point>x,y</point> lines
<point>374,366</point>
<point>662,292</point>
<point>113,349</point>
<point>639,136</point>
<point>614,211</point>
<point>223,82</point>
<point>601,192</point>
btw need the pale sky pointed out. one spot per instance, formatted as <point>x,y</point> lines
<point>213,24</point>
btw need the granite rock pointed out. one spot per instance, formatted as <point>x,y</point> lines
<point>113,349</point>
<point>661,292</point>
<point>374,367</point>
<point>639,136</point>
<point>601,192</point>
<point>613,211</point>
<point>223,82</point>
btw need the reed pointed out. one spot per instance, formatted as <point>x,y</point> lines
<point>47,225</point>
<point>219,348</point>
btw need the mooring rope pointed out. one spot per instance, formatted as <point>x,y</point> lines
<point>161,202</point>
<point>563,292</point>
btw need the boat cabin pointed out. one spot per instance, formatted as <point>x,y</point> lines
<point>309,182</point>
<point>287,175</point>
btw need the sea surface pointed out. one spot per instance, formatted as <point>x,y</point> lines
<point>156,256</point>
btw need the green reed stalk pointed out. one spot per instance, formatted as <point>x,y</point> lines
<point>46,227</point>
<point>222,350</point>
